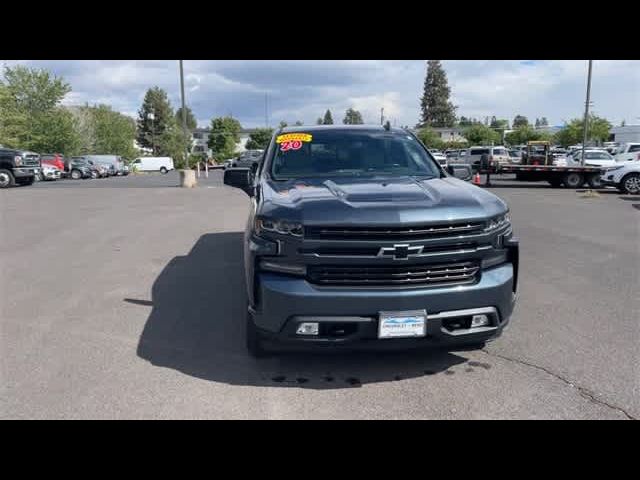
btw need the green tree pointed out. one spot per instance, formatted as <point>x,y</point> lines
<point>192,124</point>
<point>328,118</point>
<point>520,121</point>
<point>173,143</point>
<point>544,122</point>
<point>224,135</point>
<point>319,121</point>
<point>500,124</point>
<point>282,124</point>
<point>437,110</point>
<point>429,137</point>
<point>572,133</point>
<point>352,117</point>
<point>155,103</point>
<point>259,139</point>
<point>481,135</point>
<point>298,123</point>
<point>464,122</point>
<point>54,131</point>
<point>522,135</point>
<point>114,133</point>
<point>29,101</point>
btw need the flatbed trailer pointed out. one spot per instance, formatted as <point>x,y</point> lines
<point>557,176</point>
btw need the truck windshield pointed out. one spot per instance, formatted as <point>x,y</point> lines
<point>350,153</point>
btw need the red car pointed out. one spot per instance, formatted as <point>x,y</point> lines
<point>53,159</point>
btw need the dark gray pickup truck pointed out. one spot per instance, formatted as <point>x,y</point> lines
<point>357,237</point>
<point>18,167</point>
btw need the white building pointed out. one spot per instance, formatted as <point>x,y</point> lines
<point>626,134</point>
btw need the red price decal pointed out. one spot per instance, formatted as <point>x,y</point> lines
<point>291,145</point>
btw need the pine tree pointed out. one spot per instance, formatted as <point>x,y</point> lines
<point>328,119</point>
<point>544,122</point>
<point>352,117</point>
<point>157,103</point>
<point>437,110</point>
<point>298,123</point>
<point>537,122</point>
<point>319,121</point>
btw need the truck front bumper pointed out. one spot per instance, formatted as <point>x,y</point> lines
<point>285,302</point>
<point>23,172</point>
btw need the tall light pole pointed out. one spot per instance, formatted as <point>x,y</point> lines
<point>184,117</point>
<point>586,113</point>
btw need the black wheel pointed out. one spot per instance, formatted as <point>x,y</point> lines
<point>630,183</point>
<point>573,180</point>
<point>76,174</point>
<point>555,182</point>
<point>38,177</point>
<point>594,180</point>
<point>6,179</point>
<point>163,170</point>
<point>253,340</point>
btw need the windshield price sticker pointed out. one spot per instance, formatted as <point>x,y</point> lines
<point>292,141</point>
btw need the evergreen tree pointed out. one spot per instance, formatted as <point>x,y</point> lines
<point>283,124</point>
<point>157,103</point>
<point>328,118</point>
<point>352,117</point>
<point>544,122</point>
<point>299,123</point>
<point>437,110</point>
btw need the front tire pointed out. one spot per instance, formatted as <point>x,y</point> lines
<point>630,183</point>
<point>253,340</point>
<point>6,179</point>
<point>163,171</point>
<point>76,174</point>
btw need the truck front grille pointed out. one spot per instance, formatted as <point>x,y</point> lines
<point>405,232</point>
<point>432,275</point>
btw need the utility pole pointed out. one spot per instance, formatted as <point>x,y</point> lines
<point>184,117</point>
<point>586,114</point>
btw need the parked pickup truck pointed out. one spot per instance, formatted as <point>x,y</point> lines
<point>357,237</point>
<point>18,167</point>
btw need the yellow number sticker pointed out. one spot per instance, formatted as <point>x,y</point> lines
<point>291,137</point>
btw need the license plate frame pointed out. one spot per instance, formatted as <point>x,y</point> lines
<point>402,324</point>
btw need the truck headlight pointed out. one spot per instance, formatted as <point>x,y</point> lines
<point>17,160</point>
<point>498,222</point>
<point>282,227</point>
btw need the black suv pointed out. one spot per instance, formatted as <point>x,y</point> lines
<point>18,166</point>
<point>357,236</point>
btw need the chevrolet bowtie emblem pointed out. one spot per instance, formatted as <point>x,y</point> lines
<point>400,252</point>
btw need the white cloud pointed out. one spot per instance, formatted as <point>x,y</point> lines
<point>303,90</point>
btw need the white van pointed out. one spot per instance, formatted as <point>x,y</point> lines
<point>153,164</point>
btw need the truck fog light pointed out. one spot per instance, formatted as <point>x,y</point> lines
<point>308,328</point>
<point>479,321</point>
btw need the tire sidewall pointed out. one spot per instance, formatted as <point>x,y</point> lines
<point>11,180</point>
<point>624,181</point>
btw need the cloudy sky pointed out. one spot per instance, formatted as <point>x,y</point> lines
<point>303,90</point>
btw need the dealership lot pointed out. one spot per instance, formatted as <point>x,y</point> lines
<point>125,299</point>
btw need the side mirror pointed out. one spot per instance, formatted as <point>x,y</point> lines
<point>239,178</point>
<point>462,172</point>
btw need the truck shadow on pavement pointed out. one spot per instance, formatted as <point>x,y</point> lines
<point>197,323</point>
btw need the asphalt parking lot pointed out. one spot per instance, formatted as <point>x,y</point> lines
<point>124,298</point>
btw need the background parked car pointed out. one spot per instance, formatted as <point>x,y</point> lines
<point>49,172</point>
<point>78,169</point>
<point>497,155</point>
<point>114,160</point>
<point>248,158</point>
<point>625,177</point>
<point>440,157</point>
<point>55,160</point>
<point>595,158</point>
<point>628,152</point>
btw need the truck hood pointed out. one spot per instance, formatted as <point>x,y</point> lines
<point>383,201</point>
